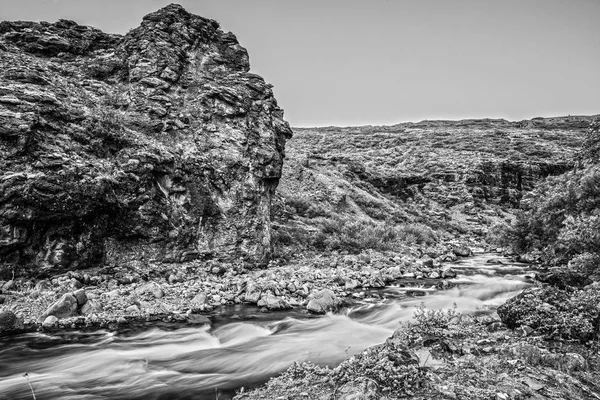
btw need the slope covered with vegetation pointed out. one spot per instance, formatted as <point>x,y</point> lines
<point>358,188</point>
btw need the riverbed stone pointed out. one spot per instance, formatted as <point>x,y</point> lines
<point>273,302</point>
<point>153,289</point>
<point>132,309</point>
<point>91,306</point>
<point>253,293</point>
<point>322,301</point>
<point>199,300</point>
<point>9,321</point>
<point>64,307</point>
<point>49,321</point>
<point>80,296</point>
<point>351,284</point>
<point>448,272</point>
<point>462,251</point>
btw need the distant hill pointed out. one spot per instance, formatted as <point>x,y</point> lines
<point>456,177</point>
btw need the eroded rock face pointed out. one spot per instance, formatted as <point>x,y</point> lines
<point>157,145</point>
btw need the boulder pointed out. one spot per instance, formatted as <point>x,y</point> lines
<point>448,272</point>
<point>9,322</point>
<point>64,307</point>
<point>199,300</point>
<point>323,301</point>
<point>253,293</point>
<point>50,321</point>
<point>133,309</point>
<point>80,296</point>
<point>462,251</point>
<point>351,284</point>
<point>427,262</point>
<point>150,289</point>
<point>42,286</point>
<point>273,303</point>
<point>91,306</point>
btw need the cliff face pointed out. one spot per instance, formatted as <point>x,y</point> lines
<point>156,145</point>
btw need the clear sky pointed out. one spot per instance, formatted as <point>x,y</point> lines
<point>357,62</point>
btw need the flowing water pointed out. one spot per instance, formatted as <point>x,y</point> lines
<point>241,346</point>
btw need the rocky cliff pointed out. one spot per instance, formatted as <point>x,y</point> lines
<point>157,145</point>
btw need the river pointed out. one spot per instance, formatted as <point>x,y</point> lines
<point>240,347</point>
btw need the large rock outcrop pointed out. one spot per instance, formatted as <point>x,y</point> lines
<point>156,145</point>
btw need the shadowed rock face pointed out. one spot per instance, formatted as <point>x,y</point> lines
<point>156,145</point>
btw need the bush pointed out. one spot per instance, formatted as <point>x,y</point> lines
<point>561,218</point>
<point>355,235</point>
<point>556,313</point>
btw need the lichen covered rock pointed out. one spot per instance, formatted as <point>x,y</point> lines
<point>157,145</point>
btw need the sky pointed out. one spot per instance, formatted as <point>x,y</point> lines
<point>381,62</point>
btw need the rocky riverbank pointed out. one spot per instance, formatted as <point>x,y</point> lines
<point>448,356</point>
<point>109,296</point>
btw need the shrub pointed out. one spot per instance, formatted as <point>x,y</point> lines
<point>355,234</point>
<point>560,218</point>
<point>554,312</point>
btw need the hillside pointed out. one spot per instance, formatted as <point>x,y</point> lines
<point>458,178</point>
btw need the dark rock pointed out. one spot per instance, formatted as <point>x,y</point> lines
<point>415,293</point>
<point>322,301</point>
<point>428,263</point>
<point>528,258</point>
<point>448,272</point>
<point>80,296</point>
<point>9,322</point>
<point>462,251</point>
<point>176,122</point>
